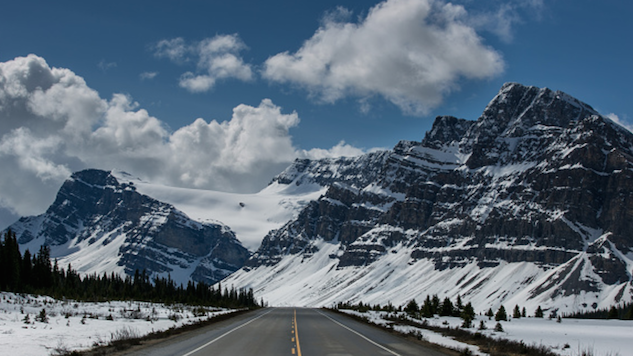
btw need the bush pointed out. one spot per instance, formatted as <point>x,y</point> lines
<point>42,317</point>
<point>499,327</point>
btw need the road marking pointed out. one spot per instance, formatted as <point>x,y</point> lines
<point>223,335</point>
<point>296,332</point>
<point>361,335</point>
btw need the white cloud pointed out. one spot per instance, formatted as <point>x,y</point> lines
<point>104,66</point>
<point>505,16</point>
<point>52,124</point>
<point>217,58</point>
<point>148,75</point>
<point>410,52</point>
<point>624,123</point>
<point>340,150</point>
<point>174,49</point>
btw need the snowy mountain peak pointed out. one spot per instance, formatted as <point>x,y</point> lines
<point>517,108</point>
<point>527,205</point>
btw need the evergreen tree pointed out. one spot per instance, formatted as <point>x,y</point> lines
<point>435,304</point>
<point>613,313</point>
<point>501,314</point>
<point>468,315</point>
<point>459,303</point>
<point>490,313</point>
<point>447,307</point>
<point>458,306</point>
<point>427,308</point>
<point>523,313</point>
<point>412,307</point>
<point>10,262</point>
<point>516,314</point>
<point>539,312</point>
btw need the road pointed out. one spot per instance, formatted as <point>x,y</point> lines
<point>287,331</point>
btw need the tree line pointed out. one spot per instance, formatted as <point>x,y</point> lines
<point>36,274</point>
<point>432,306</point>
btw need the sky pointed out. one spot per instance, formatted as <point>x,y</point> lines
<point>224,95</point>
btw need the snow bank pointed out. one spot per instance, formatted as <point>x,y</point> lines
<point>76,325</point>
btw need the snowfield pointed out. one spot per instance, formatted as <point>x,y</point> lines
<point>77,325</point>
<point>570,337</point>
<point>250,216</point>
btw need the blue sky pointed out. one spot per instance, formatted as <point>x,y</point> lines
<point>366,73</point>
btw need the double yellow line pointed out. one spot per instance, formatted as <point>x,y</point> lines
<point>296,338</point>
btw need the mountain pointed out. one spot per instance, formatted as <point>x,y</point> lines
<point>531,204</point>
<point>99,224</point>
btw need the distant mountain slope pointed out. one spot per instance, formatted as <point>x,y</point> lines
<point>99,224</point>
<point>531,204</point>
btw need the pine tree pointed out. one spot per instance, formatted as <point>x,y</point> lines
<point>468,315</point>
<point>458,306</point>
<point>501,314</point>
<point>427,308</point>
<point>412,307</point>
<point>516,314</point>
<point>447,307</point>
<point>523,313</point>
<point>539,312</point>
<point>435,304</point>
<point>613,313</point>
<point>490,313</point>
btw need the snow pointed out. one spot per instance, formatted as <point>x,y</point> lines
<point>570,337</point>
<point>86,324</point>
<point>250,216</point>
<point>315,280</point>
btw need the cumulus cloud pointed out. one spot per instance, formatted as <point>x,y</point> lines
<point>53,124</point>
<point>410,52</point>
<point>216,58</point>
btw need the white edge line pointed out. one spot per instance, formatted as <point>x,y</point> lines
<point>223,335</point>
<point>361,335</point>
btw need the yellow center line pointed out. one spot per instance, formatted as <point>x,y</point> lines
<point>296,332</point>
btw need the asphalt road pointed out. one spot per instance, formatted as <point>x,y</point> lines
<point>288,331</point>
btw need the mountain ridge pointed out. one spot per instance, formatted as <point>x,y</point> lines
<point>540,180</point>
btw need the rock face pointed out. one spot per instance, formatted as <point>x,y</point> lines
<point>540,180</point>
<point>101,225</point>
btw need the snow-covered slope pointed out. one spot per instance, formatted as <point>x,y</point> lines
<point>250,216</point>
<point>531,204</point>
